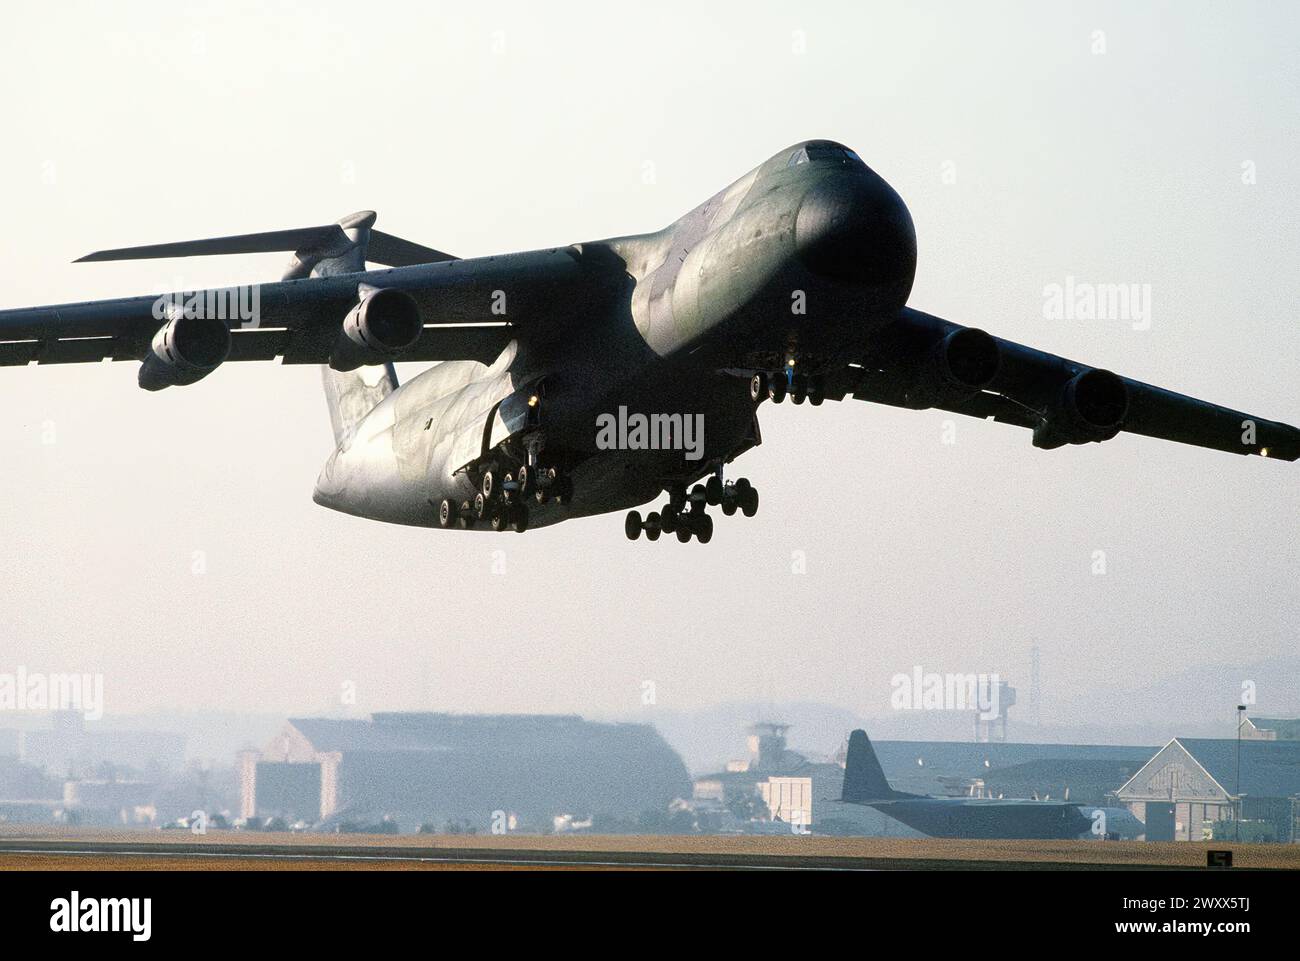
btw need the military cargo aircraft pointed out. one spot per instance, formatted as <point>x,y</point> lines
<point>961,817</point>
<point>593,378</point>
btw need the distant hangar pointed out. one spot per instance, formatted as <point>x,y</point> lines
<point>461,772</point>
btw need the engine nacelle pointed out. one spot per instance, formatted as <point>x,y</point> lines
<point>1091,407</point>
<point>963,362</point>
<point>384,324</point>
<point>185,350</point>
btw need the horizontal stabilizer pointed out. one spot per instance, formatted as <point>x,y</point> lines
<point>263,243</point>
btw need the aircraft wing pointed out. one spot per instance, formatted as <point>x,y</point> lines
<point>467,307</point>
<point>921,361</point>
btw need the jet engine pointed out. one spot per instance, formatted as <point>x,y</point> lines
<point>1091,407</point>
<point>382,325</point>
<point>185,350</point>
<point>964,361</point>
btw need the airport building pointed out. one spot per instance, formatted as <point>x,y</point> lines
<point>462,772</point>
<point>1189,790</point>
<point>1271,728</point>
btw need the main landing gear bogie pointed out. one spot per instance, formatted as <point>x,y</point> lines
<point>502,500</point>
<point>685,513</point>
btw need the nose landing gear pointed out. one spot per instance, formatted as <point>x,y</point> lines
<point>777,385</point>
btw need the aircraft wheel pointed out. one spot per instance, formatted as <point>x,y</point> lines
<point>749,502</point>
<point>519,518</point>
<point>525,479</point>
<point>668,520</point>
<point>507,494</point>
<point>758,387</point>
<point>816,389</point>
<point>501,519</point>
<point>704,529</point>
<point>713,491</point>
<point>480,506</point>
<point>776,389</point>
<point>729,506</point>
<point>799,389</point>
<point>564,490</point>
<point>447,513</point>
<point>652,527</point>
<point>683,533</point>
<point>488,485</point>
<point>465,516</point>
<point>632,525</point>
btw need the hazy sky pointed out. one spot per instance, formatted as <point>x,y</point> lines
<point>170,542</point>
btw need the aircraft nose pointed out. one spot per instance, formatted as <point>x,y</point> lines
<point>856,228</point>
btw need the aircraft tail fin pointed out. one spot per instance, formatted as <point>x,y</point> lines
<point>864,778</point>
<point>352,394</point>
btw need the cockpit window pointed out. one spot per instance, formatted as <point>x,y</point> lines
<point>817,152</point>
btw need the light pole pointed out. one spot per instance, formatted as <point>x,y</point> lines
<point>1241,708</point>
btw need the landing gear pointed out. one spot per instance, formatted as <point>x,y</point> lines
<point>777,385</point>
<point>685,513</point>
<point>633,525</point>
<point>448,513</point>
<point>551,484</point>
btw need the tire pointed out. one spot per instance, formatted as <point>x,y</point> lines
<point>683,534</point>
<point>501,520</point>
<point>668,521</point>
<point>776,389</point>
<point>519,518</point>
<point>799,390</point>
<point>713,491</point>
<point>480,506</point>
<point>507,495</point>
<point>487,485</point>
<point>632,525</point>
<point>564,492</point>
<point>704,529</point>
<point>447,513</point>
<point>749,502</point>
<point>525,479</point>
<point>729,506</point>
<point>652,527</point>
<point>758,387</point>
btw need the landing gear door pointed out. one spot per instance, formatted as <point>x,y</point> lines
<point>517,413</point>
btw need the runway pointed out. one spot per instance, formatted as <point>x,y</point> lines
<point>63,849</point>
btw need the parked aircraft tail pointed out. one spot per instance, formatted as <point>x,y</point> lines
<point>864,778</point>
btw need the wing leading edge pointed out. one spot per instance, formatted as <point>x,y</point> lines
<point>468,309</point>
<point>922,361</point>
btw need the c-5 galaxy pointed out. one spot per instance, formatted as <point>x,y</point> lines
<point>960,817</point>
<point>792,283</point>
